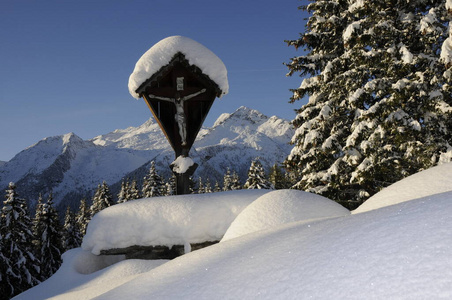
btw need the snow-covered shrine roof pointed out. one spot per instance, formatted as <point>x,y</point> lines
<point>161,54</point>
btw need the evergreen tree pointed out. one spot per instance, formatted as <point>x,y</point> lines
<point>256,177</point>
<point>171,186</point>
<point>208,187</point>
<point>277,178</point>
<point>153,185</point>
<point>22,266</point>
<point>82,217</point>
<point>71,237</point>
<point>217,187</point>
<point>235,182</point>
<point>201,189</point>
<point>122,195</point>
<point>227,181</point>
<point>134,191</point>
<point>48,243</point>
<point>379,105</point>
<point>102,199</point>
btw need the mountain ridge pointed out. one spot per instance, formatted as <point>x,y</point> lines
<point>72,168</point>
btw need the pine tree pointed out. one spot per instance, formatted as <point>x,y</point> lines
<point>122,195</point>
<point>20,267</point>
<point>71,237</point>
<point>47,235</point>
<point>201,188</point>
<point>217,187</point>
<point>208,187</point>
<point>227,181</point>
<point>277,178</point>
<point>256,177</point>
<point>102,199</point>
<point>82,217</point>
<point>134,191</point>
<point>379,107</point>
<point>235,182</point>
<point>153,185</point>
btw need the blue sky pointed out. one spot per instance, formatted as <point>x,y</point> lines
<point>65,64</point>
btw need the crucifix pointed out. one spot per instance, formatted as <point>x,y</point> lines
<point>180,116</point>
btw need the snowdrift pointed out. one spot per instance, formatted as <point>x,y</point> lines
<point>426,183</point>
<point>166,221</point>
<point>282,207</point>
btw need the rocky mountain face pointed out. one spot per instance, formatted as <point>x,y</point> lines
<point>72,168</point>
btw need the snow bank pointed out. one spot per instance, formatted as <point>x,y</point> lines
<point>397,252</point>
<point>161,54</point>
<point>429,182</point>
<point>282,207</point>
<point>85,276</point>
<point>167,221</point>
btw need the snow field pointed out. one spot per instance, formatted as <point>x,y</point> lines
<point>397,249</point>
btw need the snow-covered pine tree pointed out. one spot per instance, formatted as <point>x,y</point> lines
<point>227,181</point>
<point>201,188</point>
<point>276,177</point>
<point>217,187</point>
<point>47,236</point>
<point>122,195</point>
<point>82,217</point>
<point>134,191</point>
<point>102,199</point>
<point>235,182</point>
<point>256,177</point>
<point>153,185</point>
<point>71,237</point>
<point>379,107</point>
<point>22,266</point>
<point>207,186</point>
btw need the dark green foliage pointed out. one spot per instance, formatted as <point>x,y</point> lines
<point>102,199</point>
<point>256,177</point>
<point>19,266</point>
<point>71,236</point>
<point>379,104</point>
<point>47,238</point>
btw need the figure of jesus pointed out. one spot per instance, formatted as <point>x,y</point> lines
<point>180,113</point>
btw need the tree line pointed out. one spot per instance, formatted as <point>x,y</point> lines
<point>31,245</point>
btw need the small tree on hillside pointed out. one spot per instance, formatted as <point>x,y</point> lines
<point>82,217</point>
<point>256,177</point>
<point>102,199</point>
<point>71,237</point>
<point>22,267</point>
<point>47,232</point>
<point>153,185</point>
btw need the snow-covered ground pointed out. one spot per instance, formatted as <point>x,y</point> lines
<point>398,250</point>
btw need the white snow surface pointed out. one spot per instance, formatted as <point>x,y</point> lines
<point>161,54</point>
<point>400,251</point>
<point>182,164</point>
<point>282,207</point>
<point>423,184</point>
<point>168,221</point>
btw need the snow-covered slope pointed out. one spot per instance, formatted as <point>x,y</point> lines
<point>423,184</point>
<point>282,207</point>
<point>72,168</point>
<point>400,251</point>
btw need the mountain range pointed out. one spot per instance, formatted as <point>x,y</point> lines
<point>72,168</point>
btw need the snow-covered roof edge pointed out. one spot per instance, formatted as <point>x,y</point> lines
<point>161,54</point>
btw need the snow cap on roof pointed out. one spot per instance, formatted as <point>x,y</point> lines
<point>161,54</point>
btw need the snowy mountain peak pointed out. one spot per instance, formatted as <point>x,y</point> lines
<point>242,114</point>
<point>72,167</point>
